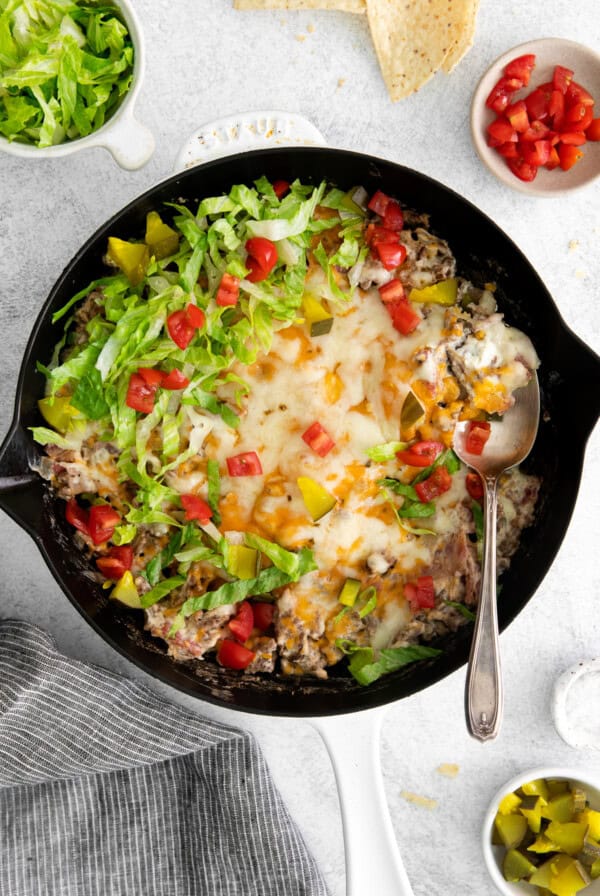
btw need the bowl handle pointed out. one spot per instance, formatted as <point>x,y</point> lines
<point>373,862</point>
<point>130,143</point>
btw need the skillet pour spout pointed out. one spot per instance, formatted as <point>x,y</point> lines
<point>570,389</point>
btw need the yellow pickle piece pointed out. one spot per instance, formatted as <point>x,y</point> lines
<point>349,593</point>
<point>511,829</point>
<point>569,877</point>
<point>132,258</point>
<point>58,412</point>
<point>161,239</point>
<point>126,592</point>
<point>567,836</point>
<point>559,808</point>
<point>442,293</point>
<point>536,788</point>
<point>516,866</point>
<point>509,803</point>
<point>318,500</point>
<point>531,808</point>
<point>591,818</point>
<point>242,561</point>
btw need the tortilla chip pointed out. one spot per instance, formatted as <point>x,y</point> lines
<point>412,39</point>
<point>464,37</point>
<point>358,6</point>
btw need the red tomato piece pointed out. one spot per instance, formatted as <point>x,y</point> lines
<point>561,78</point>
<point>569,156</point>
<point>318,439</point>
<point>521,68</point>
<point>391,256</point>
<point>245,464</point>
<point>392,291</point>
<point>195,316</point>
<point>140,396</point>
<point>196,508</point>
<point>378,203</point>
<point>101,522</point>
<point>175,380</point>
<point>522,169</point>
<point>77,516</point>
<point>255,272</point>
<point>536,153</point>
<point>393,218</point>
<point>508,150</point>
<point>243,622</point>
<point>180,329</point>
<point>404,317</point>
<point>116,562</point>
<point>553,160</point>
<point>556,108</point>
<point>421,454</point>
<point>517,116</point>
<point>502,130</point>
<point>263,614</point>
<point>435,485</point>
<point>537,103</point>
<point>573,138</point>
<point>578,94</point>
<point>474,486</point>
<point>499,96</point>
<point>151,376</point>
<point>264,253</point>
<point>420,594</point>
<point>537,130</point>
<point>592,131</point>
<point>233,655</point>
<point>378,234</point>
<point>280,188</point>
<point>229,290</point>
<point>478,432</point>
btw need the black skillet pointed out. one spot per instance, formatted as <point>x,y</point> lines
<point>570,386</point>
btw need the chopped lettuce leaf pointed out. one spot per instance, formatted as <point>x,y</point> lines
<point>366,665</point>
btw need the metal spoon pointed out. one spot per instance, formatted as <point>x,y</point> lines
<point>510,442</point>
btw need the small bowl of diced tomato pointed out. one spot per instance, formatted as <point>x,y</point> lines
<point>535,117</point>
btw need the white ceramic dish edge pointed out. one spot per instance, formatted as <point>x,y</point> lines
<point>130,143</point>
<point>491,853</point>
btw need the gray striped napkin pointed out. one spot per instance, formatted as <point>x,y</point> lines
<point>107,790</point>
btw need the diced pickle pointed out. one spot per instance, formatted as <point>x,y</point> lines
<point>321,327</point>
<point>58,412</point>
<point>542,876</point>
<point>516,866</point>
<point>579,799</point>
<point>511,829</point>
<point>590,849</point>
<point>567,836</point>
<point>592,818</point>
<point>132,258</point>
<point>349,592</point>
<point>242,561</point>
<point>536,788</point>
<point>161,239</point>
<point>542,845</point>
<point>442,293</point>
<point>318,500</point>
<point>556,785</point>
<point>509,803</point>
<point>531,808</point>
<point>559,808</point>
<point>595,870</point>
<point>570,877</point>
<point>412,411</point>
<point>126,592</point>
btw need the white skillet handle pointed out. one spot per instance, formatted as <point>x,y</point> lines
<point>130,143</point>
<point>373,862</point>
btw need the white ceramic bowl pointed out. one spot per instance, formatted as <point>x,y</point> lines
<point>493,855</point>
<point>549,51</point>
<point>130,143</point>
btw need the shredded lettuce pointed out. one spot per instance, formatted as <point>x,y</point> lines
<point>366,665</point>
<point>64,69</point>
<point>386,451</point>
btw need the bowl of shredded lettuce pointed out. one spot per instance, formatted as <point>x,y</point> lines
<point>70,71</point>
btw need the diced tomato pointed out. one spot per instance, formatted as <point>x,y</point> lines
<point>502,131</point>
<point>421,454</point>
<point>196,508</point>
<point>245,464</point>
<point>556,108</point>
<point>537,130</point>
<point>392,216</point>
<point>573,138</point>
<point>263,614</point>
<point>578,94</point>
<point>522,169</point>
<point>77,516</point>
<point>151,376</point>
<point>229,290</point>
<point>435,485</point>
<point>116,562</point>
<point>175,380</point>
<point>378,203</point>
<point>101,522</point>
<point>233,655</point>
<point>517,116</point>
<point>280,188</point>
<point>377,234</point>
<point>474,486</point>
<point>195,316</point>
<point>243,622</point>
<point>508,150</point>
<point>561,78</point>
<point>392,291</point>
<point>318,439</point>
<point>478,432</point>
<point>593,130</point>
<point>391,256</point>
<point>140,396</point>
<point>182,325</point>
<point>499,96</point>
<point>568,156</point>
<point>553,160</point>
<point>404,317</point>
<point>521,68</point>
<point>536,153</point>
<point>537,104</point>
<point>264,253</point>
<point>420,594</point>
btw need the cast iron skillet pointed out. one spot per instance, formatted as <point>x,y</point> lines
<point>569,379</point>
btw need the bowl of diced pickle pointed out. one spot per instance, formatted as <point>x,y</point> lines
<point>541,834</point>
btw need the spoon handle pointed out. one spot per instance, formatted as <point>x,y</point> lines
<point>484,679</point>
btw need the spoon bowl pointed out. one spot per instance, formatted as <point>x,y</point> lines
<point>510,441</point>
